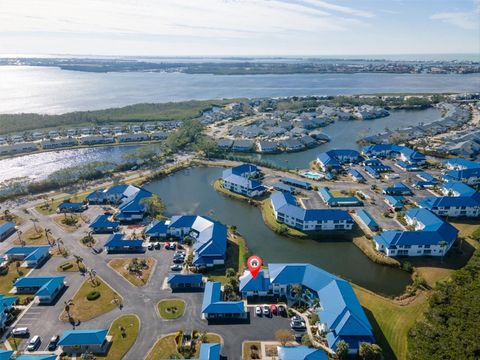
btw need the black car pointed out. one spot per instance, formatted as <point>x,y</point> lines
<point>52,345</point>
<point>178,260</point>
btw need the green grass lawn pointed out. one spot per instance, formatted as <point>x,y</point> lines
<point>68,228</point>
<point>11,218</point>
<point>121,344</point>
<point>391,321</point>
<point>83,309</point>
<point>6,281</point>
<point>164,348</point>
<point>119,265</point>
<point>171,308</point>
<point>49,206</point>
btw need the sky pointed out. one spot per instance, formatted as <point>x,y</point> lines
<point>239,27</point>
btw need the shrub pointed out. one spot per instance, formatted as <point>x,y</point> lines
<point>3,271</point>
<point>66,266</point>
<point>93,295</point>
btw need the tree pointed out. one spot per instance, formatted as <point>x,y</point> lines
<point>234,229</point>
<point>283,336</point>
<point>306,340</point>
<point>154,206</point>
<point>67,306</point>
<point>369,351</point>
<point>47,233</point>
<point>297,290</point>
<point>19,234</point>
<point>93,276</point>
<point>87,356</point>
<point>230,272</point>
<point>34,221</point>
<point>342,349</point>
<point>203,337</point>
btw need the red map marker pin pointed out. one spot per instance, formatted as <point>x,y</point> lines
<point>254,265</point>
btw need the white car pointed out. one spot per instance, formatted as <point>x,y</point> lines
<point>21,331</point>
<point>258,311</point>
<point>266,310</point>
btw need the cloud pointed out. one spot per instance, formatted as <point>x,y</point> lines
<point>462,19</point>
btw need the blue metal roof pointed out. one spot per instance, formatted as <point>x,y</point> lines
<point>355,173</point>
<point>212,303</point>
<point>31,253</point>
<point>435,230</point>
<point>300,353</point>
<point>6,227</point>
<point>395,201</point>
<point>83,337</point>
<point>460,175</point>
<point>184,279</point>
<point>460,163</point>
<point>389,149</point>
<point>426,176</point>
<point>367,218</point>
<point>102,222</point>
<point>432,202</point>
<point>6,354</point>
<point>240,170</point>
<point>283,187</point>
<point>398,188</point>
<point>117,241</point>
<point>36,357</point>
<point>209,351</point>
<point>7,302</point>
<point>70,205</point>
<point>458,187</point>
<point>260,283</point>
<point>157,228</point>
<point>47,285</point>
<point>295,182</point>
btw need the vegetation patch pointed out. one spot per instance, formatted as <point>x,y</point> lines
<point>81,308</point>
<point>124,331</point>
<point>367,247</point>
<point>8,216</point>
<point>68,222</point>
<point>252,350</point>
<point>93,295</point>
<point>171,308</point>
<point>164,348</point>
<point>8,275</point>
<point>137,270</point>
<point>71,266</point>
<point>33,236</point>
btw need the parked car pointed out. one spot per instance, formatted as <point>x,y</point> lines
<point>178,260</point>
<point>52,345</point>
<point>20,331</point>
<point>157,246</point>
<point>297,318</point>
<point>258,311</point>
<point>298,325</point>
<point>150,246</point>
<point>282,310</point>
<point>180,252</point>
<point>273,309</point>
<point>34,343</point>
<point>266,310</point>
<point>176,267</point>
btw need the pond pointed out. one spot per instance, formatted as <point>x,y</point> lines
<point>190,191</point>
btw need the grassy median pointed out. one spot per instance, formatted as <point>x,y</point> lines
<point>171,308</point>
<point>124,331</point>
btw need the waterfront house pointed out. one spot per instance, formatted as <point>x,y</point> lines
<point>37,135</point>
<point>395,202</point>
<point>308,141</point>
<point>398,188</point>
<point>159,135</point>
<point>297,183</point>
<point>102,225</point>
<point>367,220</point>
<point>225,144</point>
<point>341,316</point>
<point>291,145</point>
<point>265,146</point>
<point>133,137</point>
<point>287,211</point>
<point>432,236</point>
<point>242,145</point>
<point>46,289</point>
<point>331,200</point>
<point>214,307</point>
<point>53,134</point>
<point>6,304</point>
<point>6,229</point>
<point>87,131</point>
<point>209,236</point>
<point>258,286</point>
<point>72,207</point>
<point>334,159</point>
<point>71,132</point>
<point>58,143</point>
<point>81,341</point>
<point>115,244</point>
<point>18,148</point>
<point>241,185</point>
<point>246,170</point>
<point>96,140</point>
<point>185,282</point>
<point>32,256</point>
<point>135,128</point>
<point>209,351</point>
<point>301,352</point>
<point>355,175</point>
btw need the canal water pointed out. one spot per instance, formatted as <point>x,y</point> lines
<point>191,191</point>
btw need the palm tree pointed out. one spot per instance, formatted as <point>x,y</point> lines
<point>34,221</point>
<point>203,337</point>
<point>93,276</point>
<point>19,233</point>
<point>78,260</point>
<point>67,307</point>
<point>47,233</point>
